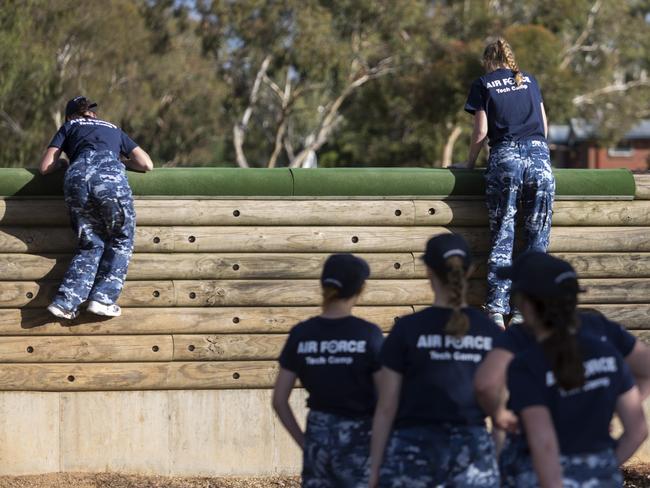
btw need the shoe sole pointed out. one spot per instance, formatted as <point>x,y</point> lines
<point>58,313</point>
<point>102,313</point>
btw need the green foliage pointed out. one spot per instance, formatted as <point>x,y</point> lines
<point>177,76</point>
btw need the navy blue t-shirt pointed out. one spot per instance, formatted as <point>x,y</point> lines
<point>438,369</point>
<point>582,416</point>
<point>335,360</point>
<point>513,112</point>
<point>518,337</point>
<point>86,134</point>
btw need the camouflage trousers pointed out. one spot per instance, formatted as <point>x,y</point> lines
<point>518,174</point>
<point>337,451</point>
<point>100,203</point>
<point>598,469</point>
<point>439,456</point>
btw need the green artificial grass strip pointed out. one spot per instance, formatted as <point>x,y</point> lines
<point>212,182</point>
<point>386,182</point>
<point>445,182</point>
<point>163,182</point>
<point>594,182</point>
<point>335,182</point>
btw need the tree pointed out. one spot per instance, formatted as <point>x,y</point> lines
<point>292,65</point>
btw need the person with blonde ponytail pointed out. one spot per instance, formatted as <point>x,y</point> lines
<point>509,112</point>
<point>566,386</point>
<point>336,358</point>
<point>428,429</point>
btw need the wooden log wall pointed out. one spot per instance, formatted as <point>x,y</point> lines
<point>216,284</point>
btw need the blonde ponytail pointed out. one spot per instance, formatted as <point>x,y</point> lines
<point>500,53</point>
<point>458,323</point>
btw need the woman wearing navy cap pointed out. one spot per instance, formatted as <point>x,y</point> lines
<point>566,387</point>
<point>490,380</point>
<point>508,110</point>
<point>99,200</point>
<point>427,419</point>
<point>335,356</point>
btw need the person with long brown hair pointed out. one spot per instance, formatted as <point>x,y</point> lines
<point>428,429</point>
<point>566,387</point>
<point>336,357</point>
<point>509,111</point>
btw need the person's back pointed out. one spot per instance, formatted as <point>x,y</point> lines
<point>438,368</point>
<point>427,420</point>
<point>81,135</point>
<point>581,416</point>
<point>334,360</point>
<point>514,111</point>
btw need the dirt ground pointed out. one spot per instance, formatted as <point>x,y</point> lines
<point>635,477</point>
<point>108,480</point>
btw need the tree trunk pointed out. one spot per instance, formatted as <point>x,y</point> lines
<point>448,150</point>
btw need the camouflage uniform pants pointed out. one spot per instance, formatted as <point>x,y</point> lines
<point>519,173</point>
<point>598,469</point>
<point>337,452</point>
<point>423,457</point>
<point>99,199</point>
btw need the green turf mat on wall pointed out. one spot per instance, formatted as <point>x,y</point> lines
<point>338,182</point>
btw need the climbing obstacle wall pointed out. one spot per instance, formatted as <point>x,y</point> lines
<point>225,263</point>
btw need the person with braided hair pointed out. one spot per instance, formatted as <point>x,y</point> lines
<point>428,429</point>
<point>509,111</point>
<point>566,385</point>
<point>100,204</point>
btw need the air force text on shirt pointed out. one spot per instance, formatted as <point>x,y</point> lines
<point>596,366</point>
<point>462,348</point>
<point>505,85</point>
<point>328,347</point>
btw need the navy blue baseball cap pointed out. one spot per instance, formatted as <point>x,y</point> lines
<point>75,105</point>
<point>346,273</point>
<point>541,275</point>
<point>443,246</point>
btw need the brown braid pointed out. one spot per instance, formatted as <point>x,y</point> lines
<point>499,53</point>
<point>561,348</point>
<point>456,282</point>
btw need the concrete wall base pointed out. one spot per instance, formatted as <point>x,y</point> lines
<point>176,433</point>
<point>173,433</point>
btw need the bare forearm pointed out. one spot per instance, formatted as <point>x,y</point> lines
<point>547,465</point>
<point>288,419</point>
<point>382,424</point>
<point>475,149</point>
<point>627,444</point>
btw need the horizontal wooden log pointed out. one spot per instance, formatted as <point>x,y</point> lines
<point>182,266</point>
<point>565,213</point>
<point>137,376</point>
<point>390,239</point>
<point>216,320</point>
<point>227,347</point>
<point>156,266</point>
<point>642,335</point>
<point>62,239</point>
<point>632,316</point>
<point>59,349</point>
<point>15,294</point>
<point>642,182</point>
<point>319,239</point>
<point>296,292</point>
<point>587,265</point>
<point>226,212</point>
<point>326,212</point>
<point>290,293</point>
